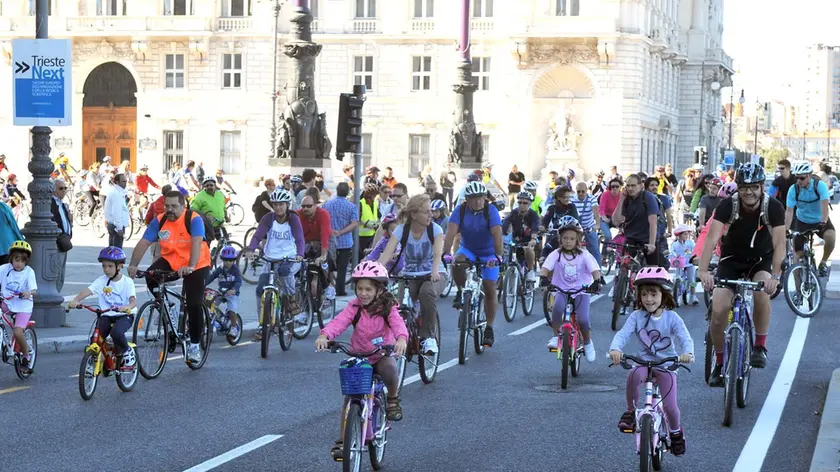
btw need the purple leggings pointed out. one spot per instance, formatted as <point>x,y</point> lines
<point>667,388</point>
<point>581,310</point>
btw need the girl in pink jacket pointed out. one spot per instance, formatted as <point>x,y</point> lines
<point>374,314</point>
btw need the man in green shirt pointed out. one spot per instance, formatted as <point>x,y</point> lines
<point>211,203</point>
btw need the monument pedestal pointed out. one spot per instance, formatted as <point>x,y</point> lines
<point>560,162</point>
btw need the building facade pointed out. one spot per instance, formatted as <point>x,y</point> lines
<point>820,103</point>
<point>623,83</point>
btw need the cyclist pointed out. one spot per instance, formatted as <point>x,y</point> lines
<point>315,224</point>
<point>537,201</point>
<point>753,246</point>
<point>810,197</point>
<point>395,264</point>
<point>637,211</point>
<point>62,162</point>
<point>211,203</point>
<point>654,314</point>
<point>587,208</point>
<point>17,278</point>
<point>440,214</point>
<point>221,180</point>
<point>144,180</point>
<point>421,242</point>
<point>230,282</point>
<point>182,249</point>
<point>481,228</point>
<point>118,293</point>
<point>11,193</point>
<point>561,207</point>
<point>709,202</point>
<point>524,223</point>
<point>572,268</point>
<point>598,186</point>
<point>783,182</point>
<point>683,247</point>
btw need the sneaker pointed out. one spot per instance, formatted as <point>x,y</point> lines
<point>128,359</point>
<point>302,318</point>
<point>234,331</point>
<point>589,349</point>
<point>457,303</point>
<point>552,343</point>
<point>823,269</point>
<point>610,295</point>
<point>627,423</point>
<point>488,336</point>
<point>531,276</point>
<point>677,443</point>
<point>329,293</point>
<point>694,300</point>
<point>193,353</point>
<point>716,377</point>
<point>430,346</point>
<point>758,358</point>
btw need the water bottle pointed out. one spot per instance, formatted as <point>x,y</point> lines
<point>325,267</point>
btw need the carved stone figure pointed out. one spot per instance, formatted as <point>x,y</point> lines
<point>322,139</point>
<point>286,134</point>
<point>561,133</point>
<point>463,138</point>
<point>301,127</point>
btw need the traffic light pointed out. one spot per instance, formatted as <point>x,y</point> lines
<point>704,157</point>
<point>700,155</point>
<point>349,136</point>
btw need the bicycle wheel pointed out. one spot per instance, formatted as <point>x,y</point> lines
<point>709,348</point>
<point>500,284</point>
<point>234,340</point>
<point>527,298</point>
<point>402,366</point>
<point>510,292</point>
<point>379,421</point>
<point>548,305</point>
<point>249,269</point>
<point>619,293</point>
<point>129,230</point>
<point>352,454</point>
<point>235,213</point>
<point>206,338</point>
<point>678,292</point>
<point>285,327</point>
<point>428,364</point>
<point>32,342</point>
<point>87,375</point>
<point>480,324</point>
<point>81,213</point>
<point>307,307</point>
<point>248,235</point>
<point>450,283</point>
<point>566,357</point>
<point>464,327</point>
<point>151,336</point>
<point>731,376</point>
<point>610,260</point>
<point>265,321</point>
<point>98,222</point>
<point>646,445</point>
<point>577,354</point>
<point>742,387</point>
<point>326,313</point>
<point>127,380</point>
<point>806,299</point>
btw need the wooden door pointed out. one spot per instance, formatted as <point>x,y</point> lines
<point>109,131</point>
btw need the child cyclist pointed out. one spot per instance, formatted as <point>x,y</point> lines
<point>572,269</point>
<point>681,250</point>
<point>230,281</point>
<point>440,214</point>
<point>374,315</point>
<point>389,224</point>
<point>117,292</point>
<point>17,280</point>
<point>655,326</point>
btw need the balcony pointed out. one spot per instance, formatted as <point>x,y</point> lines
<point>422,25</point>
<point>234,24</point>
<point>717,55</point>
<point>572,26</point>
<point>482,25</point>
<point>80,26</point>
<point>365,26</point>
<point>174,23</point>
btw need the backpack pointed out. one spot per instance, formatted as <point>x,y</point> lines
<point>430,232</point>
<point>464,211</point>
<point>660,214</point>
<point>815,181</point>
<point>765,219</point>
<point>209,232</point>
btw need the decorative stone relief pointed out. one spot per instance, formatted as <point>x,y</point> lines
<point>140,48</point>
<point>561,54</point>
<point>102,49</point>
<point>63,143</point>
<point>147,144</point>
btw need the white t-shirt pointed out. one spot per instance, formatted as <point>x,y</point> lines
<point>113,294</point>
<point>280,242</point>
<point>418,253</point>
<point>13,281</point>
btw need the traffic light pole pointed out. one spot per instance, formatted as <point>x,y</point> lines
<point>357,197</point>
<point>349,140</point>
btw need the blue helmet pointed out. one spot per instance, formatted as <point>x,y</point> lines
<point>438,205</point>
<point>228,253</point>
<point>112,254</point>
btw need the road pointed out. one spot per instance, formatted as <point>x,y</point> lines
<point>502,411</point>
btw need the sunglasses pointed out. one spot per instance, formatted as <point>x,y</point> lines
<point>307,206</point>
<point>61,188</point>
<point>802,178</point>
<point>397,195</point>
<point>615,186</point>
<point>524,203</point>
<point>751,188</point>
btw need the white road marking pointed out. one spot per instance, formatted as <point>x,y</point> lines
<point>14,389</point>
<point>237,345</point>
<point>441,368</point>
<point>174,358</point>
<point>755,450</point>
<point>234,453</point>
<point>542,322</point>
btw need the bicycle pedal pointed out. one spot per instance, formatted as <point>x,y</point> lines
<point>627,431</point>
<point>551,349</point>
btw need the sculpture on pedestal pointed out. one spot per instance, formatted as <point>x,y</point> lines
<point>562,136</point>
<point>464,141</point>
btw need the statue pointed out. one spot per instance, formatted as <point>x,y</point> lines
<point>286,134</point>
<point>562,136</point>
<point>464,134</point>
<point>323,144</point>
<point>301,127</point>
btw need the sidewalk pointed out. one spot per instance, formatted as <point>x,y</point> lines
<point>826,456</point>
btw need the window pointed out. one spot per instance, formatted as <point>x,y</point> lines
<point>231,71</point>
<point>424,8</point>
<point>418,154</point>
<point>233,8</point>
<point>483,8</point>
<point>365,8</point>
<point>111,7</point>
<point>481,73</point>
<point>363,71</point>
<point>567,8</point>
<point>174,72</point>
<point>179,7</point>
<point>173,149</point>
<point>485,144</point>
<point>421,73</point>
<point>367,149</point>
<point>231,157</point>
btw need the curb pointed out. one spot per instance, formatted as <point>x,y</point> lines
<point>826,456</point>
<point>832,287</point>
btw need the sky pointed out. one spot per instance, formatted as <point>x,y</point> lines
<point>767,39</point>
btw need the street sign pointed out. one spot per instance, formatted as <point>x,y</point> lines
<point>755,159</point>
<point>729,157</point>
<point>42,82</point>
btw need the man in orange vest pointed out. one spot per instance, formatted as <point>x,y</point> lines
<point>184,252</point>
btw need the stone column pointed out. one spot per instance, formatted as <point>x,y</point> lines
<point>302,131</point>
<point>465,147</point>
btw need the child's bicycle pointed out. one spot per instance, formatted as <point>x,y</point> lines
<point>220,319</point>
<point>681,282</point>
<point>653,435</point>
<point>410,312</point>
<point>101,358</point>
<point>8,345</point>
<point>365,421</point>
<point>570,349</point>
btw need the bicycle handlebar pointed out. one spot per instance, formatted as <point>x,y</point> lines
<point>408,278</point>
<point>650,364</point>
<point>13,295</point>
<point>554,288</point>
<point>748,284</point>
<point>336,346</point>
<point>155,274</point>
<point>94,309</point>
<point>629,247</point>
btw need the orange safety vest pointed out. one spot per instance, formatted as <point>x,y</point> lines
<point>176,243</point>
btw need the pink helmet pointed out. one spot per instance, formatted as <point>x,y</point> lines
<point>728,189</point>
<point>388,219</point>
<point>654,276</point>
<point>682,228</point>
<point>371,270</point>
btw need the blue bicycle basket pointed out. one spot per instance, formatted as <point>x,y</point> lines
<point>356,377</point>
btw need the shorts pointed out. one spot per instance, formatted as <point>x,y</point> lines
<point>730,268</point>
<point>799,241</point>
<point>22,319</point>
<point>232,303</point>
<point>487,273</point>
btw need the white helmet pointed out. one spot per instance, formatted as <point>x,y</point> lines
<point>802,168</point>
<point>280,196</point>
<point>530,186</point>
<point>475,188</point>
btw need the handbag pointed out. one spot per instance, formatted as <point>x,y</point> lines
<point>63,242</point>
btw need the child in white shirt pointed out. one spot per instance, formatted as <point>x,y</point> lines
<point>681,250</point>
<point>17,280</point>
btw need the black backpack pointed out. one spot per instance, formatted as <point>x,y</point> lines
<point>430,232</point>
<point>815,182</point>
<point>464,211</point>
<point>209,232</point>
<point>660,214</point>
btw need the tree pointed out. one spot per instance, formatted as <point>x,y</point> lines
<point>772,156</point>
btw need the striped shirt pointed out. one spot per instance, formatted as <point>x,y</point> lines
<point>584,208</point>
<point>342,213</point>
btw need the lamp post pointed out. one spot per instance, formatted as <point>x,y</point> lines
<point>731,112</point>
<point>804,133</point>
<point>757,109</point>
<point>465,147</point>
<point>272,153</point>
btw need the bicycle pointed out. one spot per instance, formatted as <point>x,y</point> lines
<point>250,269</point>
<point>8,345</point>
<point>681,282</point>
<point>233,211</point>
<point>364,421</point>
<point>221,242</point>
<point>274,312</point>
<point>472,316</point>
<point>513,290</point>
<point>738,346</point>
<point>159,322</point>
<point>653,435</point>
<point>101,358</point>
<point>410,312</point>
<point>608,255</point>
<point>220,319</point>
<point>806,299</point>
<point>624,289</point>
<point>571,352</point>
<point>308,302</point>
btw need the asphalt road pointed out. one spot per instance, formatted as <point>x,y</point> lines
<point>491,414</point>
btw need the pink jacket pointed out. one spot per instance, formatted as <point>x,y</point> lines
<point>701,239</point>
<point>367,329</point>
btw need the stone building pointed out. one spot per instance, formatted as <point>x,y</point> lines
<point>561,83</point>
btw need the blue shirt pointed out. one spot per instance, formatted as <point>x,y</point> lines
<point>196,228</point>
<point>229,279</point>
<point>474,233</point>
<point>809,204</point>
<point>342,213</point>
<point>662,224</point>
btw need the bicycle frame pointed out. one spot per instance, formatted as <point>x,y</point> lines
<point>8,342</point>
<point>472,286</point>
<point>103,350</point>
<point>272,285</point>
<point>738,325</point>
<point>653,408</point>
